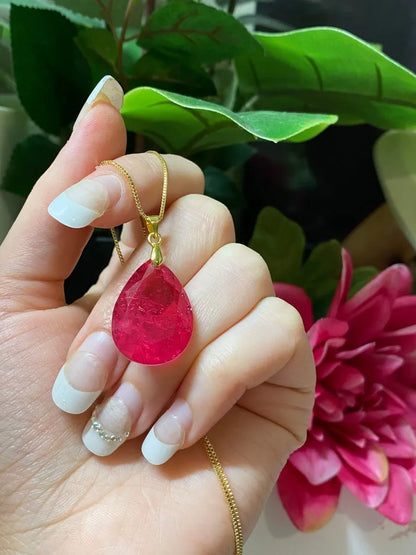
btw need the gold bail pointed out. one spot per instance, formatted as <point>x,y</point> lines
<point>152,224</point>
<point>154,239</point>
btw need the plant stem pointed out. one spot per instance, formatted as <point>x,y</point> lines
<point>150,5</point>
<point>106,13</point>
<point>127,13</point>
<point>231,6</point>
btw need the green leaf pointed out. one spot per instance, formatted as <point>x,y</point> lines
<point>131,54</point>
<point>330,70</point>
<point>185,124</point>
<point>29,160</point>
<point>52,77</point>
<point>320,275</point>
<point>280,242</point>
<point>360,277</point>
<point>70,14</point>
<point>99,49</point>
<point>172,74</point>
<point>100,41</point>
<point>92,10</point>
<point>195,31</point>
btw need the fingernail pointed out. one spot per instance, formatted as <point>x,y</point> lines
<point>111,422</point>
<point>106,90</point>
<point>85,201</point>
<point>82,378</point>
<point>168,434</point>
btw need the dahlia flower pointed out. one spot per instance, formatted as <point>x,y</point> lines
<point>362,432</point>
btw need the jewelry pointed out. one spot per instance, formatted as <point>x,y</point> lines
<point>228,493</point>
<point>104,434</point>
<point>156,259</point>
<point>152,318</point>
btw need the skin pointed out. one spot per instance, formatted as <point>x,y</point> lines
<point>248,373</point>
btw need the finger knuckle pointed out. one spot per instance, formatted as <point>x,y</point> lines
<point>247,264</point>
<point>214,219</point>
<point>285,317</point>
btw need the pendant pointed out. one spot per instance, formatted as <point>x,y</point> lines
<point>152,318</point>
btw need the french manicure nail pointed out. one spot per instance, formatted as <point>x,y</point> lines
<point>82,378</point>
<point>85,201</point>
<point>111,422</point>
<point>106,90</point>
<point>168,434</point>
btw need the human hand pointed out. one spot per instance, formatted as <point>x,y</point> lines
<point>247,377</point>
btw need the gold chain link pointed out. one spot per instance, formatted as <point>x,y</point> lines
<point>209,448</point>
<point>229,496</point>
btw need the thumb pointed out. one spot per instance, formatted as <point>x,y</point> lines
<point>39,253</point>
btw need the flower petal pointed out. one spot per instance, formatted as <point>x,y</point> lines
<point>297,297</point>
<point>404,445</point>
<point>371,462</point>
<point>398,504</point>
<point>324,329</point>
<point>368,320</point>
<point>412,474</point>
<point>405,338</point>
<point>403,313</point>
<point>317,461</point>
<point>344,285</point>
<point>376,366</point>
<point>309,507</point>
<point>367,491</point>
<point>393,282</point>
<point>347,378</point>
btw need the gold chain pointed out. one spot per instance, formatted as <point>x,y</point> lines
<point>229,496</point>
<point>133,188</point>
<point>209,448</point>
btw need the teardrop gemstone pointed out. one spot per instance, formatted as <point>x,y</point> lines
<point>152,318</point>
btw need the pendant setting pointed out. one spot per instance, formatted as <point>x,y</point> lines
<point>152,318</point>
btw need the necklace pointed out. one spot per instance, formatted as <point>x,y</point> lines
<point>152,318</point>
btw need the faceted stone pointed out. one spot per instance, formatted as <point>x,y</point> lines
<point>152,318</point>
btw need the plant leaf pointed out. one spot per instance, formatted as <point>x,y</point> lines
<point>91,9</point>
<point>52,77</point>
<point>192,30</point>
<point>360,277</point>
<point>75,17</point>
<point>320,275</point>
<point>131,54</point>
<point>99,49</point>
<point>331,70</point>
<point>172,74</point>
<point>29,160</point>
<point>184,124</point>
<point>100,41</point>
<point>280,242</point>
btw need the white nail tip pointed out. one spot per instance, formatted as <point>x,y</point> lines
<point>70,213</point>
<point>107,86</point>
<point>155,451</point>
<point>94,443</point>
<point>69,399</point>
<point>112,90</point>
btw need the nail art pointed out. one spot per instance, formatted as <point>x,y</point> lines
<point>85,201</point>
<point>168,434</point>
<point>111,422</point>
<point>82,378</point>
<point>106,90</point>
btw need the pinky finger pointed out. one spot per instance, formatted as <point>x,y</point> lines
<point>246,355</point>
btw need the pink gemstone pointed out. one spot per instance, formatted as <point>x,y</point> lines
<point>152,318</point>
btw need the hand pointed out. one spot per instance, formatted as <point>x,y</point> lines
<point>247,377</point>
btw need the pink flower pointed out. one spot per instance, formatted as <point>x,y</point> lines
<point>362,433</point>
